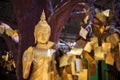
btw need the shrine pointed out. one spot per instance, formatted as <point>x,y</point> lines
<point>59,39</point>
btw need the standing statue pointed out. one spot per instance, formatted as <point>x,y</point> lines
<point>40,56</point>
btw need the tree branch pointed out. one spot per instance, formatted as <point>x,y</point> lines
<point>48,7</point>
<point>115,19</point>
<point>60,4</point>
<point>79,12</point>
<point>60,16</point>
<point>91,16</point>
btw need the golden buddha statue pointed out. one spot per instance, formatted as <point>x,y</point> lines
<point>41,56</point>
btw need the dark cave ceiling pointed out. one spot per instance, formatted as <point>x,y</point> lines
<point>7,14</point>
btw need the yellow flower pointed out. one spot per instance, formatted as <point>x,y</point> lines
<point>9,31</point>
<point>15,34</point>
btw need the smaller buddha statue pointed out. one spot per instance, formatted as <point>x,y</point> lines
<point>40,56</point>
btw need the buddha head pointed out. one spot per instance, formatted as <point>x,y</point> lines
<point>42,30</point>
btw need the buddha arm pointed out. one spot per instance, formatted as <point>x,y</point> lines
<point>27,61</point>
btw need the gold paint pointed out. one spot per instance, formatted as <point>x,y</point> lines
<point>113,39</point>
<point>102,28</point>
<point>73,68</point>
<point>99,53</point>
<point>109,59</point>
<point>88,57</point>
<point>83,75</point>
<point>106,47</point>
<point>83,32</point>
<point>41,55</point>
<point>88,47</point>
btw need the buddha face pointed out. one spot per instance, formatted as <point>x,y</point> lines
<point>43,35</point>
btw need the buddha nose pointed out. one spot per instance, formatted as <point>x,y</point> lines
<point>43,36</point>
